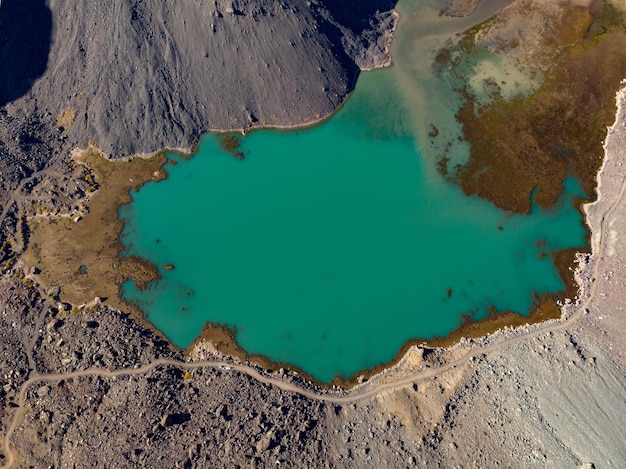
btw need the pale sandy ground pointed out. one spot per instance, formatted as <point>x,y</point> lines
<point>606,325</point>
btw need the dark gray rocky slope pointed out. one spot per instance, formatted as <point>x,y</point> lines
<point>136,76</point>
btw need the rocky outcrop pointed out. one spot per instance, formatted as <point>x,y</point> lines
<point>137,76</point>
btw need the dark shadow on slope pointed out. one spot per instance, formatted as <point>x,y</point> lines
<point>25,38</point>
<point>357,14</point>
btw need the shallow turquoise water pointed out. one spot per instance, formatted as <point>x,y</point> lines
<point>329,248</point>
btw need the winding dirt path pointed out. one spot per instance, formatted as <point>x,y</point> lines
<point>363,392</point>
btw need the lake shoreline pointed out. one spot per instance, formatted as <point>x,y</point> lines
<point>225,338</point>
<point>89,382</point>
<point>480,328</point>
<point>467,329</point>
<point>546,309</point>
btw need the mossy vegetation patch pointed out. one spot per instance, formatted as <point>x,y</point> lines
<point>82,255</point>
<point>231,144</point>
<point>522,149</point>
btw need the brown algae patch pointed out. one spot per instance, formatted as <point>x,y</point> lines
<point>546,308</point>
<point>523,146</point>
<point>81,255</point>
<point>522,149</point>
<point>231,144</point>
<point>223,340</point>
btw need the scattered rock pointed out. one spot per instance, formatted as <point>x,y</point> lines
<point>166,420</point>
<point>265,443</point>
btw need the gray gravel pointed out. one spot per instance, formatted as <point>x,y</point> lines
<point>145,75</point>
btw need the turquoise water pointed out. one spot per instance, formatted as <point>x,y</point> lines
<point>328,248</point>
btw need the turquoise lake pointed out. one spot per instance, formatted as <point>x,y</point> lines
<point>328,248</point>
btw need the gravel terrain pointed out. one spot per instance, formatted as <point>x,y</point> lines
<point>138,76</point>
<point>94,388</point>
